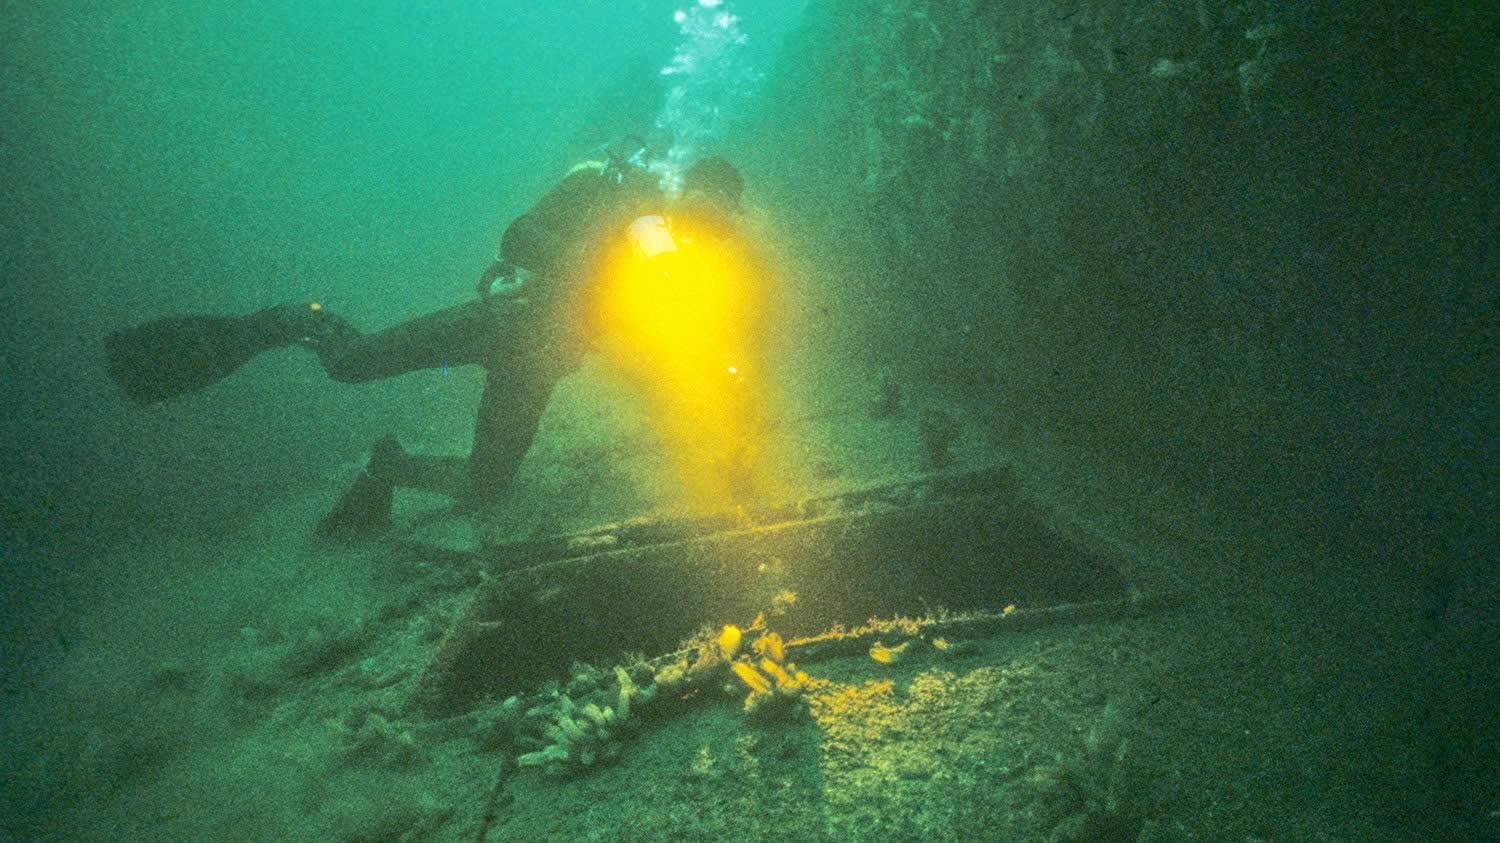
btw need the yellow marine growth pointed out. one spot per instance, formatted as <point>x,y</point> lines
<point>760,665</point>
<point>888,655</point>
<point>770,646</point>
<point>753,679</point>
<point>784,681</point>
<point>671,676</point>
<point>774,680</point>
<point>729,640</point>
<point>953,649</point>
<point>713,652</point>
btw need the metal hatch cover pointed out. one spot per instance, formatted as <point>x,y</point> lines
<point>956,545</point>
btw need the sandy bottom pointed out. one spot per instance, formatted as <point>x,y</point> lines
<point>254,685</point>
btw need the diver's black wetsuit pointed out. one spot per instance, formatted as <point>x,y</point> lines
<point>519,378</point>
<point>526,339</point>
<point>526,335</point>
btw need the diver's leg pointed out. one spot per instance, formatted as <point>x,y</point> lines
<point>510,411</point>
<point>366,507</point>
<point>446,475</point>
<point>519,381</point>
<point>455,336</point>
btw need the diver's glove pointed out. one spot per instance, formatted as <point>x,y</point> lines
<point>504,280</point>
<point>303,324</point>
<point>312,326</point>
<point>327,332</point>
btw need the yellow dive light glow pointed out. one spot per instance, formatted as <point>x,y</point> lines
<point>683,318</point>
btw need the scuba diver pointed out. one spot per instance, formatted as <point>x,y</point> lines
<point>529,325</point>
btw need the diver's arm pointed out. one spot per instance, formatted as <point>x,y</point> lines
<point>544,238</point>
<point>500,270</point>
<point>591,202</point>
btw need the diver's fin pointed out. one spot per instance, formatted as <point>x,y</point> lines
<point>366,508</point>
<point>363,510</point>
<point>168,357</point>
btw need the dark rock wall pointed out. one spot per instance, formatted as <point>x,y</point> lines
<point>1249,247</point>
